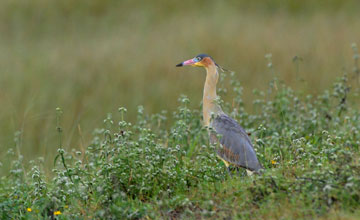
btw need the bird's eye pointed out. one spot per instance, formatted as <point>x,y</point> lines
<point>197,59</point>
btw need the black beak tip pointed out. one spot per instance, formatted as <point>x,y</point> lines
<point>180,64</point>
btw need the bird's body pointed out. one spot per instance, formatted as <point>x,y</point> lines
<point>235,145</point>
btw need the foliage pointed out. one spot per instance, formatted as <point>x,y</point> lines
<point>308,145</point>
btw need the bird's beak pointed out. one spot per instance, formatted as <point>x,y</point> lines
<point>187,63</point>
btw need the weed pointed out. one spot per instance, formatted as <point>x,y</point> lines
<point>308,145</point>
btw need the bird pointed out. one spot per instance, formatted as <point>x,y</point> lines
<point>235,147</point>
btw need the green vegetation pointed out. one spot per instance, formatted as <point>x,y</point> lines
<point>153,160</point>
<point>308,145</point>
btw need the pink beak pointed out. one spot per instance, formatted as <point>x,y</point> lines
<point>186,63</point>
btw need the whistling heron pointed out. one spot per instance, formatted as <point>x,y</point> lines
<point>236,148</point>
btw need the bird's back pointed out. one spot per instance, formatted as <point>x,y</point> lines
<point>236,144</point>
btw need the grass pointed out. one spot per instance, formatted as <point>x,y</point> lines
<point>65,65</point>
<point>308,145</point>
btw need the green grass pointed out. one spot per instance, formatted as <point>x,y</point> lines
<point>309,147</point>
<point>65,65</point>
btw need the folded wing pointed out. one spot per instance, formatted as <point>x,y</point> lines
<point>236,145</point>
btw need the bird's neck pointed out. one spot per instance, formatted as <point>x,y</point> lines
<point>209,97</point>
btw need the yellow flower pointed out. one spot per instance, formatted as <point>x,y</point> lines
<point>66,206</point>
<point>273,162</point>
<point>29,209</point>
<point>57,213</point>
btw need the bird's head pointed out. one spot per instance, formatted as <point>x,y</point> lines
<point>201,60</point>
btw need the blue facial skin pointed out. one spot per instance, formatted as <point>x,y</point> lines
<point>196,59</point>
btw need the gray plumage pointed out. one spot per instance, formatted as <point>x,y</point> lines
<point>236,145</point>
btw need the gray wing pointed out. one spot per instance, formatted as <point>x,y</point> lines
<point>236,145</point>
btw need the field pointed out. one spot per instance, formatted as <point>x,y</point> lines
<point>96,121</point>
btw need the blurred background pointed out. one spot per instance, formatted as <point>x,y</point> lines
<point>91,57</point>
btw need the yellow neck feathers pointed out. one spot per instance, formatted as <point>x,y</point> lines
<point>209,96</point>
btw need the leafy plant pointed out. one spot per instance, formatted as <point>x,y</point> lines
<point>308,145</point>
